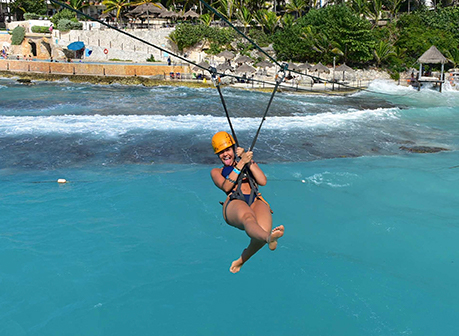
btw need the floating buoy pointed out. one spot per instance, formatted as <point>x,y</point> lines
<point>303,181</point>
<point>61,181</point>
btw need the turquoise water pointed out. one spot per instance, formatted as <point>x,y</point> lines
<point>135,243</point>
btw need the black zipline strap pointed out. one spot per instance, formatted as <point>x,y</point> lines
<point>216,81</point>
<point>279,80</point>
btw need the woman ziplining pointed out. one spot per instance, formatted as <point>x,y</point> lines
<point>244,207</point>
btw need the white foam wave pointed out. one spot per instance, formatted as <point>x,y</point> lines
<point>3,87</point>
<point>386,86</point>
<point>121,124</point>
<point>334,180</point>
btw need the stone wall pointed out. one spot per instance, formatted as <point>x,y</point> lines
<point>106,44</point>
<point>91,69</point>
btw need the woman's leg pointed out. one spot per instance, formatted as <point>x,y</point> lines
<point>240,215</point>
<point>264,218</point>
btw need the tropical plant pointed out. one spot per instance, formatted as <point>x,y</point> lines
<point>116,5</point>
<point>227,9</point>
<point>40,29</point>
<point>66,25</point>
<point>268,21</point>
<point>245,17</point>
<point>18,35</point>
<point>453,56</point>
<point>326,47</point>
<point>63,14</point>
<point>287,21</point>
<point>77,4</point>
<point>31,16</point>
<point>359,7</point>
<point>19,7</point>
<point>297,7</point>
<point>383,51</point>
<point>206,19</point>
<point>375,11</point>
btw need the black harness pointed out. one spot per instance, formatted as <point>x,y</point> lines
<point>238,194</point>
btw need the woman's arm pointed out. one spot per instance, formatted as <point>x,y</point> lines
<point>258,174</point>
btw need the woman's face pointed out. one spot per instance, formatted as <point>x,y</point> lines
<point>227,156</point>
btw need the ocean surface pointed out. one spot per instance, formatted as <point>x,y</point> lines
<point>135,243</point>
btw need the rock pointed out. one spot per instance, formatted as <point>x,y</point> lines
<point>423,149</point>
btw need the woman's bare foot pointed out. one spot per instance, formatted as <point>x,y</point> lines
<point>236,265</point>
<point>276,233</point>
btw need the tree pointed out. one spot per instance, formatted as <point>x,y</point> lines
<point>383,52</point>
<point>453,55</point>
<point>326,47</point>
<point>117,5</point>
<point>227,9</point>
<point>206,19</point>
<point>19,7</point>
<point>297,7</point>
<point>77,4</point>
<point>269,21</point>
<point>245,17</point>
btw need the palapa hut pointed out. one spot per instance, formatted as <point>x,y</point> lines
<point>319,67</point>
<point>432,56</point>
<point>343,67</point>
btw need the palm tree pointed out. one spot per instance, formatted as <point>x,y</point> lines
<point>360,7</point>
<point>118,5</point>
<point>321,43</point>
<point>269,21</point>
<point>245,17</point>
<point>227,9</point>
<point>375,10</point>
<point>77,4</point>
<point>207,19</point>
<point>383,51</point>
<point>453,56</point>
<point>296,6</point>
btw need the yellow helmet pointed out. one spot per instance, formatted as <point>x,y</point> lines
<point>221,141</point>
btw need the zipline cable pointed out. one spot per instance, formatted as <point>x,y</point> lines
<point>216,80</point>
<point>279,80</point>
<point>213,10</point>
<point>208,69</point>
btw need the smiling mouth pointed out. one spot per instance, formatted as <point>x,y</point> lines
<point>227,160</point>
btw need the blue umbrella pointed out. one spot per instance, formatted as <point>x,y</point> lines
<point>75,46</point>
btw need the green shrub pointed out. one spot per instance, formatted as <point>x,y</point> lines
<point>18,35</point>
<point>40,29</point>
<point>66,25</point>
<point>187,35</point>
<point>151,59</point>
<point>31,16</point>
<point>63,14</point>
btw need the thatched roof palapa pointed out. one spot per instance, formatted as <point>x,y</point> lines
<point>243,59</point>
<point>305,66</point>
<point>245,68</point>
<point>226,54</point>
<point>320,68</point>
<point>148,8</point>
<point>344,67</point>
<point>203,64</point>
<point>292,66</point>
<point>265,64</point>
<point>223,67</point>
<point>191,14</point>
<point>432,56</point>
